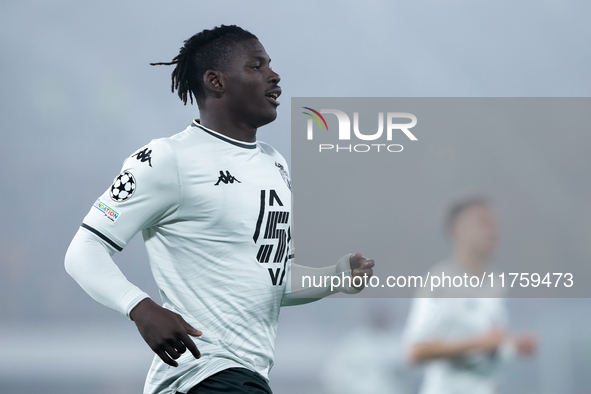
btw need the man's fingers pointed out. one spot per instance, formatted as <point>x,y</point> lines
<point>190,329</point>
<point>172,352</point>
<point>366,268</point>
<point>166,358</point>
<point>188,342</point>
<point>358,261</point>
<point>360,272</point>
<point>361,267</point>
<point>368,264</point>
<point>178,344</point>
<point>355,260</point>
<point>194,332</point>
<point>193,349</point>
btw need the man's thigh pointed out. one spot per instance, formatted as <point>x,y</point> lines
<point>233,381</point>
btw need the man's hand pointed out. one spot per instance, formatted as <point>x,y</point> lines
<point>526,344</point>
<point>362,268</point>
<point>166,332</point>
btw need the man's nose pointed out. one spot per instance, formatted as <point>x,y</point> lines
<point>274,77</point>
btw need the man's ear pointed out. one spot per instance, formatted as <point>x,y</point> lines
<point>213,81</point>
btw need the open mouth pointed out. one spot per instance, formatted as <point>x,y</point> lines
<point>273,96</point>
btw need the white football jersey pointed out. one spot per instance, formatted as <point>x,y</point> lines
<point>457,319</point>
<point>215,214</point>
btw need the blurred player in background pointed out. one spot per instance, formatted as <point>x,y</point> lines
<point>464,341</point>
<point>371,349</point>
<point>214,208</point>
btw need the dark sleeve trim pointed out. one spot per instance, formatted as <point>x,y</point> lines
<point>102,236</point>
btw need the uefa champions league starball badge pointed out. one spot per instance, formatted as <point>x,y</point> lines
<point>123,187</point>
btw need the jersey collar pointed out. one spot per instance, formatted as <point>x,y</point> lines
<point>241,144</point>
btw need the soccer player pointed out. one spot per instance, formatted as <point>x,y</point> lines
<point>214,208</point>
<point>464,341</point>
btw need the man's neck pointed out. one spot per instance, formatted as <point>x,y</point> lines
<point>228,126</point>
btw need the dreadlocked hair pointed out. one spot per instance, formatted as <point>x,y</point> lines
<point>208,50</point>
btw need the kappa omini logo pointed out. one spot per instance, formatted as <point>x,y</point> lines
<point>123,187</point>
<point>144,156</point>
<point>226,178</point>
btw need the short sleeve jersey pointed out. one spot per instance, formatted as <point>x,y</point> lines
<point>456,319</point>
<point>215,215</point>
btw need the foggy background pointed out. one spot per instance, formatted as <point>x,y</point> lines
<point>78,96</point>
<point>528,155</point>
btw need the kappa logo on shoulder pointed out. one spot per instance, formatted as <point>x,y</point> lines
<point>144,156</point>
<point>226,178</point>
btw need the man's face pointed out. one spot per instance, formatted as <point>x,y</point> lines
<point>251,86</point>
<point>476,229</point>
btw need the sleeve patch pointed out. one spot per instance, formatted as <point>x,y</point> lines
<point>123,187</point>
<point>284,174</point>
<point>109,212</point>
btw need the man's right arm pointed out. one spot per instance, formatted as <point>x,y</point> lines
<point>146,192</point>
<point>435,349</point>
<point>88,261</point>
<point>424,337</point>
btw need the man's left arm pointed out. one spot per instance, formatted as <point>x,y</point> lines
<point>348,275</point>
